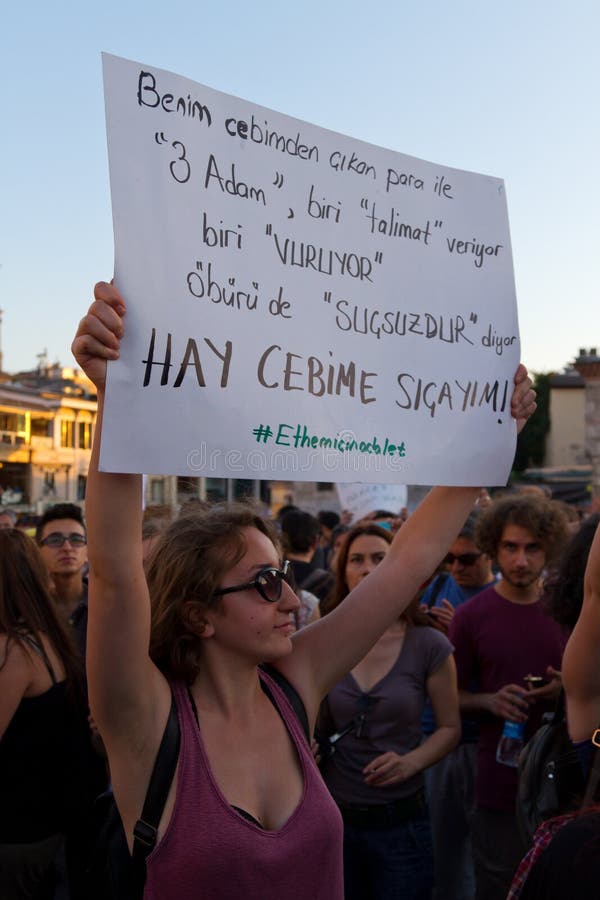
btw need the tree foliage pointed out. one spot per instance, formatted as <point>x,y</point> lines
<point>531,443</point>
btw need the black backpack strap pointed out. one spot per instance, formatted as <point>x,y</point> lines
<point>146,827</point>
<point>292,695</point>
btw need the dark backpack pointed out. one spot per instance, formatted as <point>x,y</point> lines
<point>551,780</point>
<point>113,872</point>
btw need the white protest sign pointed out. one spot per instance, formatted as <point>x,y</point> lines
<point>361,499</point>
<point>301,305</point>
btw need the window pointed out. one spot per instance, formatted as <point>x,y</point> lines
<point>265,492</point>
<point>157,491</point>
<point>242,488</point>
<point>67,433</point>
<point>41,428</point>
<point>216,489</point>
<point>81,484</point>
<point>12,422</point>
<point>85,435</point>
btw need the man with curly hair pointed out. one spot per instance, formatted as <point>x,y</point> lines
<point>501,636</point>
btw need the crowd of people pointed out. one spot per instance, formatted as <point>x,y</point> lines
<point>419,652</point>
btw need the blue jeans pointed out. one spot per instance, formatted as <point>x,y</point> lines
<point>389,863</point>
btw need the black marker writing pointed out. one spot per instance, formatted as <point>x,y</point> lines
<point>269,138</point>
<point>202,284</point>
<point>322,259</point>
<point>479,251</point>
<point>343,163</point>
<point>418,393</point>
<point>231,185</point>
<point>187,107</point>
<point>191,360</point>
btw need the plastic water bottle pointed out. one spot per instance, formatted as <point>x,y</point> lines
<point>511,743</point>
<point>512,739</point>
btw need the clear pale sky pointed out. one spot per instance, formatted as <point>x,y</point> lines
<point>508,89</point>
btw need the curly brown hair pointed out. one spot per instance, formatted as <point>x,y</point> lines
<point>184,570</point>
<point>543,518</point>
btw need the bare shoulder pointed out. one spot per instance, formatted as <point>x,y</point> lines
<point>14,657</point>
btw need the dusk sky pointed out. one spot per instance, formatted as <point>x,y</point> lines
<point>509,90</point>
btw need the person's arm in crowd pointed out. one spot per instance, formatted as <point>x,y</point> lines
<point>507,703</point>
<point>581,660</point>
<point>442,614</point>
<point>511,702</point>
<point>392,768</point>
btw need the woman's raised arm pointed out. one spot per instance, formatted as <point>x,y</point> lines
<point>581,660</point>
<point>331,647</point>
<point>123,683</point>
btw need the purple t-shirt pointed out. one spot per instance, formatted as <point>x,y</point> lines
<point>210,850</point>
<point>393,712</point>
<point>497,642</point>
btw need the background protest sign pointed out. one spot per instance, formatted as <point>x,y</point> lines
<point>301,305</point>
<point>361,499</point>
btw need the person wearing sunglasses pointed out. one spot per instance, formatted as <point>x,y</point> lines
<point>61,538</point>
<point>468,571</point>
<point>248,814</point>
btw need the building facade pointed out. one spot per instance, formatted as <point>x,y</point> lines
<point>48,416</point>
<point>47,420</point>
<point>565,442</point>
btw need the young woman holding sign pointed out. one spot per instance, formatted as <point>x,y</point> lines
<point>247,814</point>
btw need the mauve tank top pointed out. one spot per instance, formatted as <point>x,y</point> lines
<point>211,852</point>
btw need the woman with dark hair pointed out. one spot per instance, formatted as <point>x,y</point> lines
<point>247,814</point>
<point>375,771</point>
<point>563,591</point>
<point>48,771</point>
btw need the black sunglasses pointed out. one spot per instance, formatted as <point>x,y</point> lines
<point>268,583</point>
<point>58,539</point>
<point>465,559</point>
